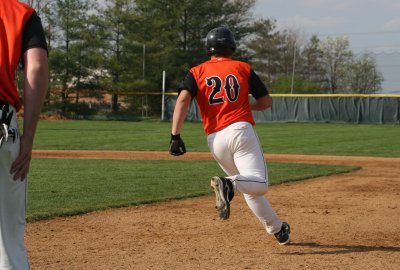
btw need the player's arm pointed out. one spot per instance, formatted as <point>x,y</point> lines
<point>261,103</point>
<point>187,91</point>
<point>180,112</point>
<point>260,92</point>
<point>35,87</point>
<point>176,145</point>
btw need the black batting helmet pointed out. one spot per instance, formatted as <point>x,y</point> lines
<point>220,41</point>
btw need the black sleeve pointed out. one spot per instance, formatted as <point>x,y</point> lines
<point>33,34</point>
<point>189,83</point>
<point>257,87</point>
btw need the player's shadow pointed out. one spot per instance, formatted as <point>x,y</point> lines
<point>338,249</point>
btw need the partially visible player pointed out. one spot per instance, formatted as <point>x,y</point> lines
<point>221,87</point>
<point>21,37</point>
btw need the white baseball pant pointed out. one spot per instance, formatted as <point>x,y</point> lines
<point>13,254</point>
<point>237,150</point>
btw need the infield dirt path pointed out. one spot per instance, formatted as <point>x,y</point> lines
<point>347,221</point>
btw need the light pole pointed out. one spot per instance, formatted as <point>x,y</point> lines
<point>294,65</point>
<point>163,96</point>
<point>144,60</point>
<point>144,98</point>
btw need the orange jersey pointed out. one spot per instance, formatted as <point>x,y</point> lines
<point>221,87</point>
<point>11,28</point>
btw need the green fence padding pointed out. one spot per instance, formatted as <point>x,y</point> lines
<point>330,108</point>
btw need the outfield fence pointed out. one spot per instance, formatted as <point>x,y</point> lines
<point>379,109</point>
<point>338,108</point>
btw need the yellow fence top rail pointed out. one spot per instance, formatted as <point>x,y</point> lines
<point>273,95</point>
<point>336,95</point>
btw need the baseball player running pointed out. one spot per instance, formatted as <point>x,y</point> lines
<point>221,87</point>
<point>21,38</point>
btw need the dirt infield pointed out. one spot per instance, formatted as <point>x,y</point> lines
<point>348,221</point>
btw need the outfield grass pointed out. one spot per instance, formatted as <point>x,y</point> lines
<point>60,187</point>
<point>290,138</point>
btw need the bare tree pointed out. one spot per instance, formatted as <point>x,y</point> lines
<point>38,5</point>
<point>336,56</point>
<point>364,78</point>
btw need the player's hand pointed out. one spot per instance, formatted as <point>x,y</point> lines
<point>176,145</point>
<point>20,166</point>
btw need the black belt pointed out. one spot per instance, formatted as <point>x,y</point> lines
<point>2,103</point>
<point>5,120</point>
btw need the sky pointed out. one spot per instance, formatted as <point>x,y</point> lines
<point>371,26</point>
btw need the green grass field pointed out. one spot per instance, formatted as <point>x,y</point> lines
<point>290,138</point>
<point>59,187</point>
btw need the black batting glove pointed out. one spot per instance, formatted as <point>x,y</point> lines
<point>176,145</point>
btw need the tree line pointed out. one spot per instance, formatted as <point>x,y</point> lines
<point>125,45</point>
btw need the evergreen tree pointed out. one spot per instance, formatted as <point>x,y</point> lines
<point>312,61</point>
<point>70,22</point>
<point>175,31</point>
<point>111,27</point>
<point>264,45</point>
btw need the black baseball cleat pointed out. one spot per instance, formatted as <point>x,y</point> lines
<point>283,236</point>
<point>223,189</point>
